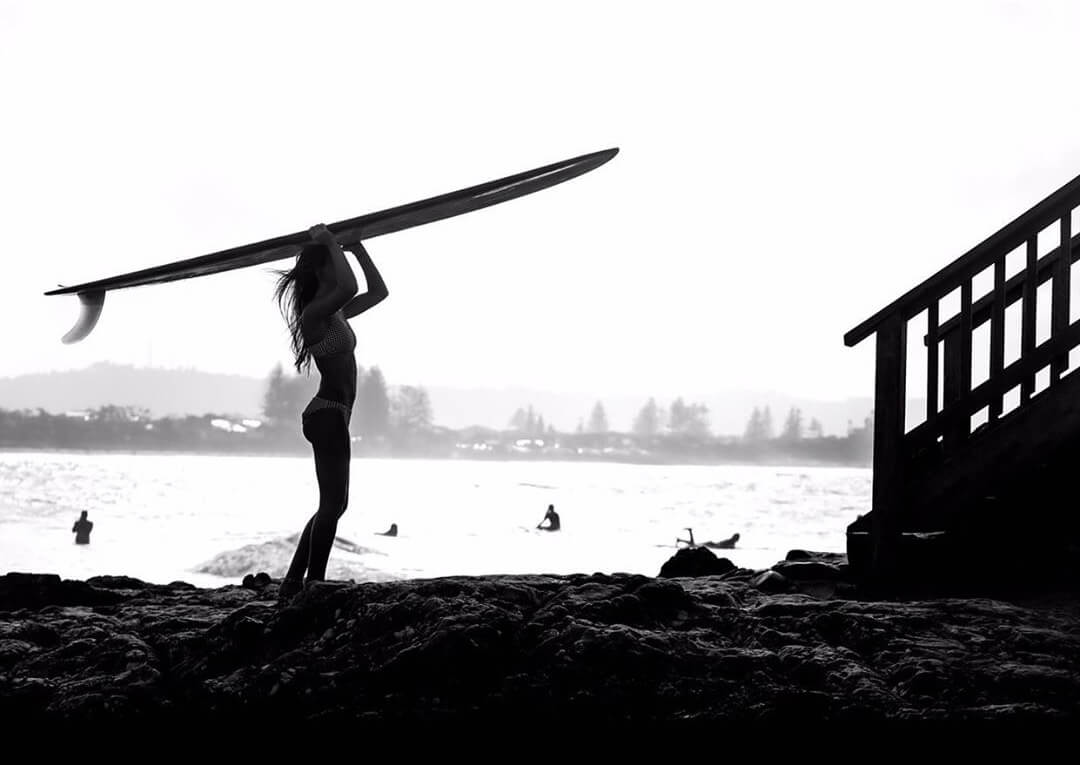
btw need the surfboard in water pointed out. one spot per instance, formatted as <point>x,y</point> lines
<point>92,294</point>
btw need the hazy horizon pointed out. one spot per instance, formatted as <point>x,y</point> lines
<point>676,393</point>
<point>179,392</point>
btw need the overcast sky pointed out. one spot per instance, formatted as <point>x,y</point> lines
<point>786,169</point>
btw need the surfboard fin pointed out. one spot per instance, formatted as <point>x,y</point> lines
<point>90,305</point>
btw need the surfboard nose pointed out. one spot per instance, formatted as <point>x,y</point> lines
<point>91,305</point>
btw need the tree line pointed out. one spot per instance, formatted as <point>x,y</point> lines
<point>399,421</point>
<point>681,418</point>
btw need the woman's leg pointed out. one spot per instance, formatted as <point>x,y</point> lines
<point>300,557</point>
<point>330,439</point>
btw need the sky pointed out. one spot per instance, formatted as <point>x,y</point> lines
<point>785,170</point>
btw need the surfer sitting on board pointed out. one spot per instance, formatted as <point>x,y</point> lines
<point>390,532</point>
<point>316,297</point>
<point>552,519</point>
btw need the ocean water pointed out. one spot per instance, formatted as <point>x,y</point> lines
<point>209,520</point>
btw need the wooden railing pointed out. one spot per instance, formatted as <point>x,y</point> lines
<point>947,425</point>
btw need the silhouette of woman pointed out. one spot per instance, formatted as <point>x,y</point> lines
<point>316,297</point>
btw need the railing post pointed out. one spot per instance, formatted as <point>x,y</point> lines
<point>997,335</point>
<point>932,350</point>
<point>954,434</point>
<point>888,488</point>
<point>1060,306</point>
<point>1027,330</point>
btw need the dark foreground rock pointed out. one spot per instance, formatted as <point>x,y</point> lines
<point>695,561</point>
<point>576,648</point>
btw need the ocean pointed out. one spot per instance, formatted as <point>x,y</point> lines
<point>209,520</point>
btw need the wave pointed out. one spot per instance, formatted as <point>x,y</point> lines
<point>274,556</point>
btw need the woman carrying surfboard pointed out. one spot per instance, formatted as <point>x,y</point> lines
<point>317,297</point>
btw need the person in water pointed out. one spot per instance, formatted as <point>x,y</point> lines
<point>723,544</point>
<point>390,532</point>
<point>317,298</point>
<point>82,529</point>
<point>552,519</point>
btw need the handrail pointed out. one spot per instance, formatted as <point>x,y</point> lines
<point>1003,241</point>
<point>1011,376</point>
<point>1014,289</point>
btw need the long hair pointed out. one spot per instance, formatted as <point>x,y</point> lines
<point>294,290</point>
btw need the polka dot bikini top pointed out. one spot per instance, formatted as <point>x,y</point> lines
<point>339,338</point>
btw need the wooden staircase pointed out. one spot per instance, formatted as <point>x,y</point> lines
<point>992,463</point>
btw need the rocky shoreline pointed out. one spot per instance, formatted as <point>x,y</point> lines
<point>705,641</point>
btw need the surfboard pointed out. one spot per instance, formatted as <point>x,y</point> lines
<point>92,294</point>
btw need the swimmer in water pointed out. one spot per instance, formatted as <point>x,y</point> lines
<point>82,529</point>
<point>552,519</point>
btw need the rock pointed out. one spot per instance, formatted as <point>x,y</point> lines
<point>741,573</point>
<point>823,557</point>
<point>257,581</point>
<point>810,570</point>
<point>696,561</point>
<point>587,648</point>
<point>19,590</point>
<point>770,581</point>
<point>117,582</point>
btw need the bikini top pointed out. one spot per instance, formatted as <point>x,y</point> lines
<point>339,338</point>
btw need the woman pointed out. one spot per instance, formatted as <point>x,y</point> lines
<point>316,298</point>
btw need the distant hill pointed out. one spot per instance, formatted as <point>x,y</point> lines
<point>168,392</point>
<point>164,392</point>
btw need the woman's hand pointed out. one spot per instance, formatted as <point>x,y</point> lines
<point>321,234</point>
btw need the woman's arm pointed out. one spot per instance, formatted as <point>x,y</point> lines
<point>342,286</point>
<point>376,287</point>
<point>344,279</point>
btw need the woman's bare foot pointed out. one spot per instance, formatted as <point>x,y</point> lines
<point>289,588</point>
